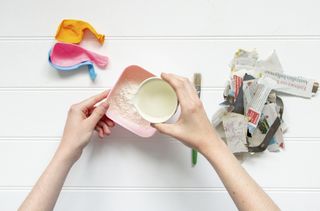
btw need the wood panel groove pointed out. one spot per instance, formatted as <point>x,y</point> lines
<point>177,38</point>
<point>58,89</point>
<point>157,189</point>
<point>42,139</point>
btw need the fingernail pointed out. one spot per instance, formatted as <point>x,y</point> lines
<point>105,104</point>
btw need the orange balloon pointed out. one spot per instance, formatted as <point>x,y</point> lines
<point>71,31</point>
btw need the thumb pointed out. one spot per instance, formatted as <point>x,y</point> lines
<point>168,129</point>
<point>97,114</point>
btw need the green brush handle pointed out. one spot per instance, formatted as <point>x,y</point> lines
<point>197,85</point>
<point>194,157</point>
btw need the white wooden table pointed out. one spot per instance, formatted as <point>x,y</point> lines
<point>125,172</point>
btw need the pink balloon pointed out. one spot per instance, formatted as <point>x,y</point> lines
<point>64,54</point>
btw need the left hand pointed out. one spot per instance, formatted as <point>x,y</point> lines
<point>83,118</point>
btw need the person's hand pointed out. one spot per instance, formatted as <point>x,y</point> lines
<point>83,118</point>
<point>193,127</point>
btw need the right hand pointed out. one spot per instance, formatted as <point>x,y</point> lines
<point>193,127</point>
<point>83,118</point>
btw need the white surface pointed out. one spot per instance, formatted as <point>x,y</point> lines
<point>180,36</point>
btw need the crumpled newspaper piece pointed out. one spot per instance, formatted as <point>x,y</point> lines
<point>251,114</point>
<point>235,128</point>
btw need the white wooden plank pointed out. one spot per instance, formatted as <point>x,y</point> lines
<point>136,163</point>
<point>24,63</point>
<point>164,18</point>
<point>43,113</point>
<point>136,200</point>
<point>158,201</point>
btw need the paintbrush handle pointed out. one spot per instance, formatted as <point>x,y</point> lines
<point>194,156</point>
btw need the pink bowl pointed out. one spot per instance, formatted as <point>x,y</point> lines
<point>122,109</point>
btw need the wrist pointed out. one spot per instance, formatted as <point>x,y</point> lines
<point>211,145</point>
<point>67,155</point>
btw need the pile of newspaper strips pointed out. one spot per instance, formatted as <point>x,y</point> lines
<point>250,118</point>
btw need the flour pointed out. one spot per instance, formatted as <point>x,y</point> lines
<point>122,102</point>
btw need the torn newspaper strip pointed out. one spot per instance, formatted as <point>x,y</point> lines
<point>256,105</point>
<point>293,85</point>
<point>235,128</point>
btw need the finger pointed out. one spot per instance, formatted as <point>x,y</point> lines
<point>179,85</point>
<point>100,124</point>
<point>192,90</point>
<point>108,121</point>
<point>105,127</point>
<point>96,128</point>
<point>172,79</point>
<point>100,132</point>
<point>168,129</point>
<point>97,114</point>
<point>90,102</point>
<point>188,87</point>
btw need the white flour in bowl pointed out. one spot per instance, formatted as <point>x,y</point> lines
<point>122,102</point>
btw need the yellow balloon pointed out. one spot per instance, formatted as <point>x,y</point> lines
<point>71,31</point>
